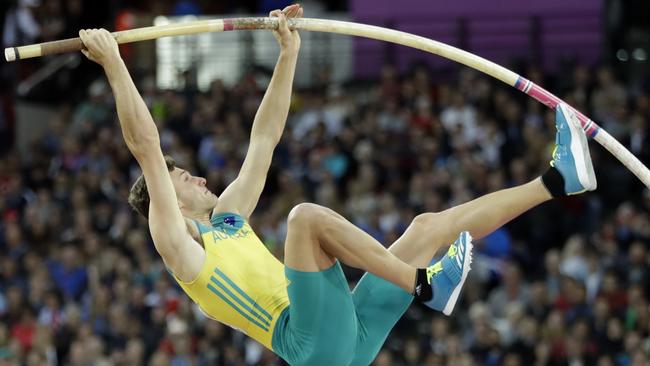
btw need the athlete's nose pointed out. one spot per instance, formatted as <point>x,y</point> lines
<point>202,181</point>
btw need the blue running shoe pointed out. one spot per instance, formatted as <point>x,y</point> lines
<point>448,275</point>
<point>571,155</point>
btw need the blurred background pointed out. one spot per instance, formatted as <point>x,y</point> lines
<point>377,132</point>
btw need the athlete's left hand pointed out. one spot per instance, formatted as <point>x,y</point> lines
<point>289,40</point>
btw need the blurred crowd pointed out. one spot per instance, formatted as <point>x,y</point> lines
<point>565,284</point>
<point>568,283</point>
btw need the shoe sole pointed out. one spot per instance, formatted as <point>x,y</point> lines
<point>580,151</point>
<point>449,307</point>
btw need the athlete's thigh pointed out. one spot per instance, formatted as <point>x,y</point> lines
<point>379,304</point>
<point>322,324</point>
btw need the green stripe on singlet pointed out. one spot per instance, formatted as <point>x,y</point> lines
<point>239,301</point>
<point>243,294</point>
<point>240,311</point>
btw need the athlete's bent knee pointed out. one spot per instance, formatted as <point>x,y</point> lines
<point>428,220</point>
<point>435,226</point>
<point>305,215</point>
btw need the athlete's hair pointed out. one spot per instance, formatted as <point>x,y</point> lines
<point>139,194</point>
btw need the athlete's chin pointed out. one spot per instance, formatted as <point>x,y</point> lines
<point>213,200</point>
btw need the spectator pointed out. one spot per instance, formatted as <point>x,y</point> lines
<point>68,273</point>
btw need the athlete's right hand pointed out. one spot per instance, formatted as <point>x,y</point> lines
<point>99,46</point>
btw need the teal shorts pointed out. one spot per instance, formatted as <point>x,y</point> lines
<point>326,324</point>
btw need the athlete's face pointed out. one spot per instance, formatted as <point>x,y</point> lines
<point>191,191</point>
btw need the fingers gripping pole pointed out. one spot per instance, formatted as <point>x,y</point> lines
<point>353,29</point>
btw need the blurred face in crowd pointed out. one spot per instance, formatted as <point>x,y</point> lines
<point>512,359</point>
<point>605,361</point>
<point>412,351</point>
<point>193,195</point>
<point>70,257</point>
<point>639,358</point>
<point>385,358</point>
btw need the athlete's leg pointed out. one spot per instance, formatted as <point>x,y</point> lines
<point>322,325</point>
<point>431,231</point>
<point>380,304</point>
<point>321,328</point>
<point>317,236</point>
<point>482,216</point>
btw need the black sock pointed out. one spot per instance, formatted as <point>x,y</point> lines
<point>554,182</point>
<point>423,291</point>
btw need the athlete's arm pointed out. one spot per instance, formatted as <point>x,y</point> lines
<point>180,252</point>
<point>242,194</point>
